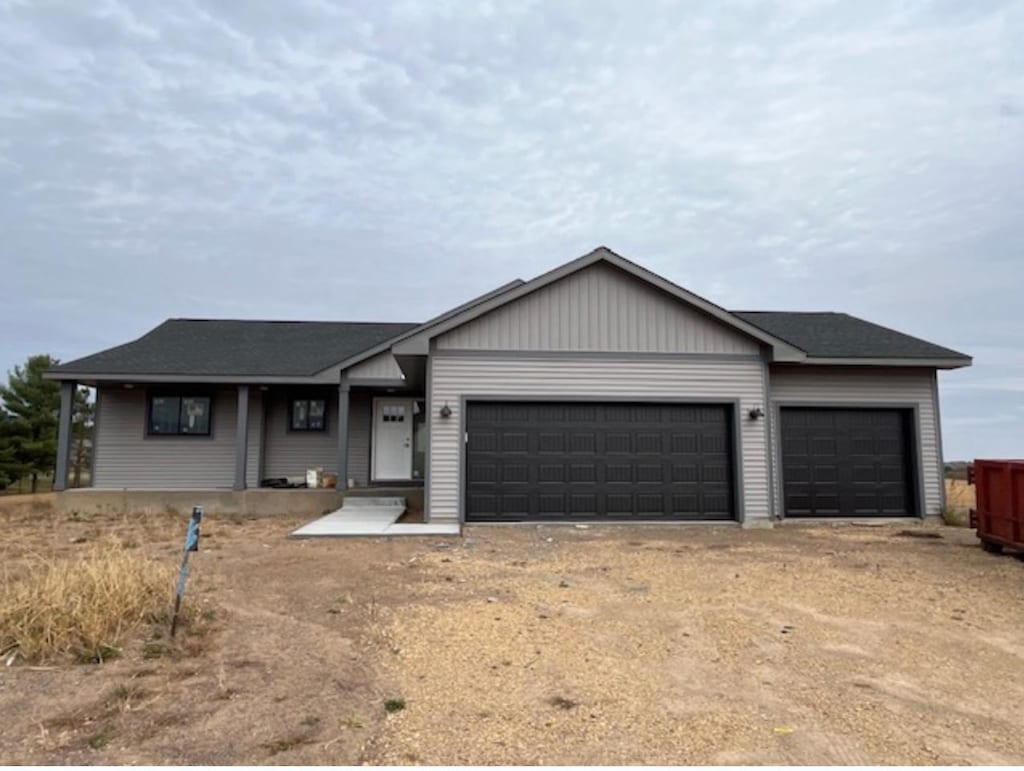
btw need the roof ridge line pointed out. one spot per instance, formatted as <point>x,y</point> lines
<point>290,321</point>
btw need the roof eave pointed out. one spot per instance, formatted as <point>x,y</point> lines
<point>894,361</point>
<point>129,377</point>
<point>388,344</point>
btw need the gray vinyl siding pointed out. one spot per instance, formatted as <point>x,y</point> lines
<point>599,308</point>
<point>290,453</point>
<point>380,367</point>
<point>846,386</point>
<point>454,377</point>
<point>127,458</point>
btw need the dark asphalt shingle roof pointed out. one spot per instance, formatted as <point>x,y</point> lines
<point>245,348</point>
<point>841,336</point>
<point>205,347</point>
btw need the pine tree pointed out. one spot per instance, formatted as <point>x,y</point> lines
<point>11,433</point>
<point>33,404</point>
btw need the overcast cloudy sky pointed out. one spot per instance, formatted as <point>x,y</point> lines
<point>386,161</point>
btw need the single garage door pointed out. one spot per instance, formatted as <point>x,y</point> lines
<point>847,463</point>
<point>542,461</point>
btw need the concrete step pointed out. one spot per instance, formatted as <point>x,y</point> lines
<point>366,502</point>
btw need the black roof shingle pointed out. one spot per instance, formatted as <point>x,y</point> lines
<point>830,335</point>
<point>300,349</point>
<point>205,347</point>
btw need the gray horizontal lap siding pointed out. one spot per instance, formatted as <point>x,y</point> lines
<point>843,386</point>
<point>127,458</point>
<point>291,453</point>
<point>600,308</point>
<point>670,378</point>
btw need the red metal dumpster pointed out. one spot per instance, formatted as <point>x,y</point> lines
<point>999,516</point>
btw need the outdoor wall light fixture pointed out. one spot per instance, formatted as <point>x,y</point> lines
<point>446,411</point>
<point>755,413</point>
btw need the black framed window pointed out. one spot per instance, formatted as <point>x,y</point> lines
<point>179,415</point>
<point>308,415</point>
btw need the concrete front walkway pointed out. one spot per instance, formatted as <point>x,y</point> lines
<point>370,516</point>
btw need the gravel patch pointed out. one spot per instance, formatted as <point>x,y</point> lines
<point>799,645</point>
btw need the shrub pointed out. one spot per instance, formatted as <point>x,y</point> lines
<point>83,605</point>
<point>955,517</point>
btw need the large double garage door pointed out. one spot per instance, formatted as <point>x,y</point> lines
<point>619,461</point>
<point>537,461</point>
<point>847,462</point>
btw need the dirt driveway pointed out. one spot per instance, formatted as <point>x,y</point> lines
<point>548,645</point>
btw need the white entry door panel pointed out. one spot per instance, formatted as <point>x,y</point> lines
<point>392,438</point>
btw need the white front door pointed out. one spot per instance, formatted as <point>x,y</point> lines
<point>392,438</point>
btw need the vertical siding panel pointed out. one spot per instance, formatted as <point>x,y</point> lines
<point>453,377</point>
<point>593,314</point>
<point>838,386</point>
<point>598,309</point>
<point>609,339</point>
<point>632,320</point>
<point>576,300</point>
<point>383,365</point>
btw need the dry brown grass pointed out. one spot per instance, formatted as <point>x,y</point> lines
<point>959,495</point>
<point>82,605</point>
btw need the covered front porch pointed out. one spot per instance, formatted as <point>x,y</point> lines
<point>255,448</point>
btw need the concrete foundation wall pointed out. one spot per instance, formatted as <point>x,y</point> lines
<point>252,503</point>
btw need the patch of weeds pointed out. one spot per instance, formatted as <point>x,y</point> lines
<point>311,720</point>
<point>155,649</point>
<point>394,705</point>
<point>99,740</point>
<point>97,655</point>
<point>122,695</point>
<point>82,605</point>
<point>285,743</point>
<point>352,721</point>
<point>563,703</point>
<point>195,644</point>
<point>209,615</point>
<point>129,544</point>
<point>955,517</point>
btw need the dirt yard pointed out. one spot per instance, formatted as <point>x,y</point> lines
<point>686,645</point>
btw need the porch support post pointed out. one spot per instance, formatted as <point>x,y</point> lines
<point>343,393</point>
<point>67,406</point>
<point>241,436</point>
